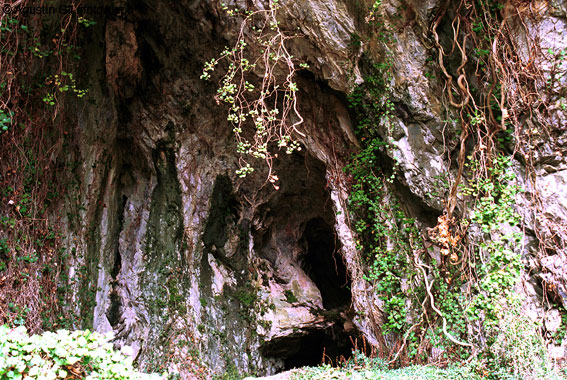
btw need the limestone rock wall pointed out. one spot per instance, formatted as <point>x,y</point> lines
<point>181,258</point>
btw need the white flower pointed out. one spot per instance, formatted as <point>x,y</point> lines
<point>127,351</point>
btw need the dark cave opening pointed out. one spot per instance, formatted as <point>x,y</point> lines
<point>299,227</point>
<point>330,346</point>
<point>324,265</point>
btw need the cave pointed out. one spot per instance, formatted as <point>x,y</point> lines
<point>298,227</point>
<point>324,265</point>
<point>331,346</point>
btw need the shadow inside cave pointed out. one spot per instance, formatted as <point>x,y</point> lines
<point>324,265</point>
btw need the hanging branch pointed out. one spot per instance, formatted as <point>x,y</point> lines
<point>262,114</point>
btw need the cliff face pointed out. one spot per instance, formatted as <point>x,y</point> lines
<point>183,259</point>
<point>179,253</point>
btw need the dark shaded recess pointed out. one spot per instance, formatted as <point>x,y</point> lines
<point>164,239</point>
<point>322,85</point>
<point>152,60</point>
<point>331,346</point>
<point>223,212</point>
<point>124,115</point>
<point>415,206</point>
<point>324,265</point>
<point>333,343</point>
<point>148,34</point>
<point>403,112</point>
<point>445,32</point>
<point>113,313</point>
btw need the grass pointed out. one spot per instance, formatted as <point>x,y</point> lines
<point>360,367</point>
<point>409,373</point>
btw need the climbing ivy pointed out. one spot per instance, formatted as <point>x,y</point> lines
<point>386,236</point>
<point>471,284</point>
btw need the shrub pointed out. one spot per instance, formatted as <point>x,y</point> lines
<point>64,355</point>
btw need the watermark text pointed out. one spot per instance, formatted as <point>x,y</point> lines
<point>82,10</point>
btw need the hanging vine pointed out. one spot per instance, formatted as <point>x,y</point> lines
<point>261,92</point>
<point>35,75</point>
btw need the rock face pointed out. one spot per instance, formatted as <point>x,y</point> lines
<point>178,256</point>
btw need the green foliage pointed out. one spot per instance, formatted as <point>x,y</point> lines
<point>491,264</point>
<point>461,289</point>
<point>289,296</point>
<point>231,373</point>
<point>62,83</point>
<point>37,57</point>
<point>520,363</point>
<point>494,193</point>
<point>64,355</point>
<point>246,296</point>
<point>4,249</point>
<point>488,266</point>
<point>5,121</point>
<point>385,234</point>
<point>500,265</point>
<point>363,368</point>
<point>86,22</point>
<point>517,351</point>
<point>176,299</point>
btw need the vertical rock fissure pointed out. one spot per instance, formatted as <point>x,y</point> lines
<point>88,267</point>
<point>113,313</point>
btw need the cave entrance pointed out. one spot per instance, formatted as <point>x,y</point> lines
<point>324,265</point>
<point>299,232</point>
<point>331,346</point>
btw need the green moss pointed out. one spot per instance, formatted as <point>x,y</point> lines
<point>246,296</point>
<point>176,300</point>
<point>86,275</point>
<point>165,281</point>
<point>203,301</point>
<point>290,297</point>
